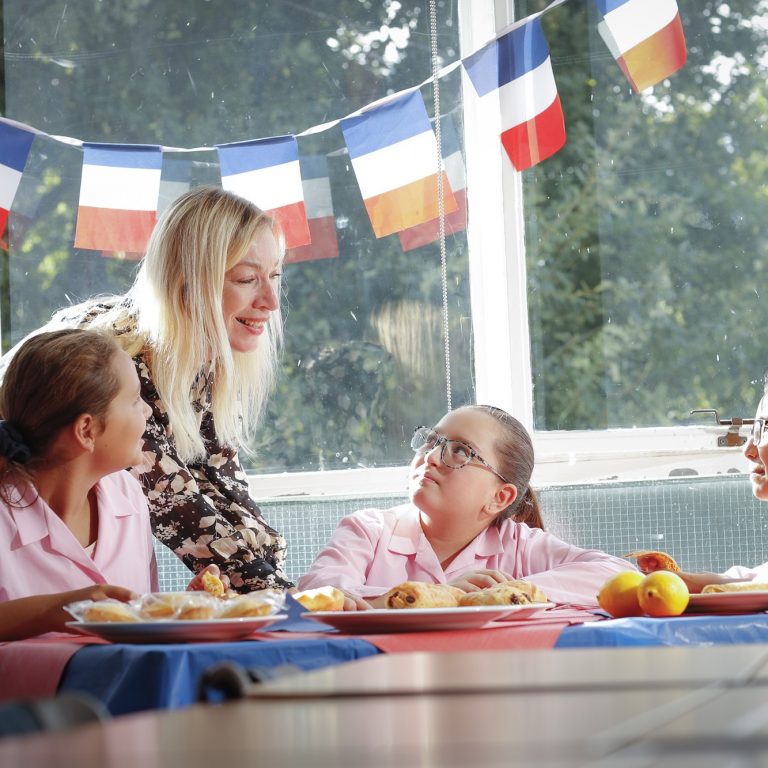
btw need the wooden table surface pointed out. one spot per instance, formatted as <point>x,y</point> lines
<point>649,707</point>
<point>514,671</point>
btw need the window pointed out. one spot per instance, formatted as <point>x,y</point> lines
<point>599,296</point>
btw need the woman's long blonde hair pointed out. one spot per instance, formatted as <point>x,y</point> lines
<point>176,306</point>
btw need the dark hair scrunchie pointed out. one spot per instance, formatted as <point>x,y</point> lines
<point>12,444</point>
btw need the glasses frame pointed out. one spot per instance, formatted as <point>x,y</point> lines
<point>442,442</point>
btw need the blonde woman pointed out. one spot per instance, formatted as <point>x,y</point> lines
<point>202,325</point>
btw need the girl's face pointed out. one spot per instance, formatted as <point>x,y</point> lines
<point>251,292</point>
<point>467,493</point>
<point>756,452</point>
<point>120,441</point>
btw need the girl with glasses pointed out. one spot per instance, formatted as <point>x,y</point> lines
<point>73,523</point>
<point>473,521</point>
<point>756,453</point>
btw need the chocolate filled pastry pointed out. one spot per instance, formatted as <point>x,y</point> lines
<point>534,594</point>
<point>507,593</point>
<point>418,594</point>
<point>738,586</point>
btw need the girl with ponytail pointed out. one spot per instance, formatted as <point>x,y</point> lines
<point>473,521</point>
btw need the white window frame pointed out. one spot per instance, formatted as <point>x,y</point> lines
<point>498,291</point>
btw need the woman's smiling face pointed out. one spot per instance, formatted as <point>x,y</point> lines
<point>251,292</point>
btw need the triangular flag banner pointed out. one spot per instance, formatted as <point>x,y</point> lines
<point>266,172</point>
<point>319,206</point>
<point>15,144</point>
<point>426,233</point>
<point>645,37</point>
<point>118,197</point>
<point>519,67</point>
<point>394,154</point>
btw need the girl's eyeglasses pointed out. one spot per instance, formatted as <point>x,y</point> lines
<point>453,453</point>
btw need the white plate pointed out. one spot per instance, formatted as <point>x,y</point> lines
<point>423,619</point>
<point>175,631</point>
<point>728,602</point>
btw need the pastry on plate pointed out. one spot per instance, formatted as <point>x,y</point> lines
<point>108,610</point>
<point>419,594</point>
<point>737,586</point>
<point>212,584</point>
<point>321,599</point>
<point>649,561</point>
<point>246,606</point>
<point>515,592</point>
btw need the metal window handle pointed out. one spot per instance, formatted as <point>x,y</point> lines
<point>732,438</point>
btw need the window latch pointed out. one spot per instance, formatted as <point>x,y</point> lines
<point>732,438</point>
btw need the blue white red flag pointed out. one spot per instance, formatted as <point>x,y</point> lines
<point>266,172</point>
<point>645,37</point>
<point>394,154</point>
<point>15,145</point>
<point>518,68</point>
<point>319,207</point>
<point>119,190</point>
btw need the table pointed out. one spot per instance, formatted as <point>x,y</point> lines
<point>580,669</point>
<point>547,729</point>
<point>680,630</point>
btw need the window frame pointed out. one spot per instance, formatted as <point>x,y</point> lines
<point>503,375</point>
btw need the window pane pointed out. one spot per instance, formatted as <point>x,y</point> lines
<point>645,235</point>
<point>363,360</point>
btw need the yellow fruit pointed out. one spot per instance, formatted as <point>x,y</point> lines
<point>618,596</point>
<point>663,593</point>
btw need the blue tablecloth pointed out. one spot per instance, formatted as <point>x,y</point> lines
<point>130,678</point>
<point>681,630</point>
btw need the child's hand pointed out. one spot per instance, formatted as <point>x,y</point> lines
<point>474,581</point>
<point>196,585</point>
<point>697,581</point>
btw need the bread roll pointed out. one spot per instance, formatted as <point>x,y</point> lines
<point>531,590</point>
<point>417,594</point>
<point>321,599</point>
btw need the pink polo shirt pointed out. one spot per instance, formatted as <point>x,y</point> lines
<point>373,550</point>
<point>40,555</point>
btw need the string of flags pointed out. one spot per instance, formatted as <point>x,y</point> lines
<point>390,143</point>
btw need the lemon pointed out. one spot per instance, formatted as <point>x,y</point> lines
<point>619,597</point>
<point>663,593</point>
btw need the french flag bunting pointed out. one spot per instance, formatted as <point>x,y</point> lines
<point>394,154</point>
<point>519,67</point>
<point>319,207</point>
<point>119,190</point>
<point>15,144</point>
<point>429,232</point>
<point>266,172</point>
<point>645,37</point>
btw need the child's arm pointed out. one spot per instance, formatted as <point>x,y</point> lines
<point>36,615</point>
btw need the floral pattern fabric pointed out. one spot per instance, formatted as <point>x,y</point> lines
<point>203,511</point>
